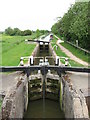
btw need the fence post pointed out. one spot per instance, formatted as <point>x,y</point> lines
<point>77,43</point>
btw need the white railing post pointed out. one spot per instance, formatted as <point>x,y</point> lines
<point>21,62</point>
<point>66,62</point>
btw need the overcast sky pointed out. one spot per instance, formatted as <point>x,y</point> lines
<point>32,14</point>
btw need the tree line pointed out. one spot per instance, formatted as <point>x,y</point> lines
<point>74,25</point>
<point>18,32</point>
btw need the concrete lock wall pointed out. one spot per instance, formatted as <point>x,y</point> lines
<point>52,52</point>
<point>72,101</point>
<point>35,51</point>
<point>16,100</point>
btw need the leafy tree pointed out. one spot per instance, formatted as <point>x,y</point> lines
<point>37,33</point>
<point>17,31</point>
<point>9,31</point>
<point>27,32</point>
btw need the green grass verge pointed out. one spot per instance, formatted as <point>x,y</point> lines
<point>62,54</point>
<point>12,57</point>
<point>78,53</point>
<point>13,47</point>
<point>9,42</point>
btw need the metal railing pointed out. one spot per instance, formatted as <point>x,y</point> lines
<point>84,50</point>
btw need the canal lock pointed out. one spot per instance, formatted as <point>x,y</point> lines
<point>44,90</point>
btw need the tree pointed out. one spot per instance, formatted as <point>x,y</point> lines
<point>17,31</point>
<point>9,31</point>
<point>37,33</point>
<point>27,32</point>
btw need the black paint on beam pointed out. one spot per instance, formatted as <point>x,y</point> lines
<point>44,68</point>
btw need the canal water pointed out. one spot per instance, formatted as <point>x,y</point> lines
<point>51,109</point>
<point>44,108</point>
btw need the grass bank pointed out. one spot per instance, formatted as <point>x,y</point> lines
<point>13,47</point>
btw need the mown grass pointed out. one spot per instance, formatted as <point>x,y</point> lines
<point>13,47</point>
<point>9,42</point>
<point>62,54</point>
<point>12,57</point>
<point>78,53</point>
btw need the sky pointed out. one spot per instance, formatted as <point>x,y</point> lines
<point>32,14</point>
